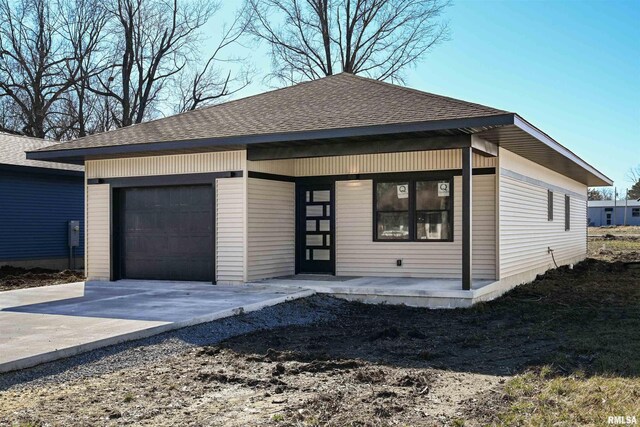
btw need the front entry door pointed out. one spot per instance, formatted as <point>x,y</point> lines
<point>315,228</point>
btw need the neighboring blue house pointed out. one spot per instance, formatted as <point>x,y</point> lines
<point>605,212</point>
<point>37,200</point>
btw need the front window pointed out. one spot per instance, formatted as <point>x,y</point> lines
<point>392,210</point>
<point>433,204</point>
<point>413,210</point>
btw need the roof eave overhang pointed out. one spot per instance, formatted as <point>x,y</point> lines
<point>597,178</point>
<point>470,125</point>
<point>77,155</point>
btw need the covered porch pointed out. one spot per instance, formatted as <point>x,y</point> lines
<point>345,173</point>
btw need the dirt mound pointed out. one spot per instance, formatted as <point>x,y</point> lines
<point>20,278</point>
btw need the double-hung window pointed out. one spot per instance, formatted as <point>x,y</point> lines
<point>413,210</point>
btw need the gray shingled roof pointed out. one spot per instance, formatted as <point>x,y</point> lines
<point>13,147</point>
<point>340,101</point>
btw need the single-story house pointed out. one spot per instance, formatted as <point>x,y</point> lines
<point>38,199</point>
<point>606,212</point>
<point>343,176</point>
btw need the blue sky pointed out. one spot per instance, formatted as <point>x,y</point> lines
<point>572,68</point>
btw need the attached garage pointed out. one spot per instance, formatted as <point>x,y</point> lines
<point>165,232</point>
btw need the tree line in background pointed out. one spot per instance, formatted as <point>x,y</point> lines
<point>633,193</point>
<point>71,68</point>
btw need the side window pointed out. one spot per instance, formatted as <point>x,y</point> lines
<point>549,205</point>
<point>567,213</point>
<point>635,212</point>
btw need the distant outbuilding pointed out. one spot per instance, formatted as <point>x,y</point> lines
<point>606,212</point>
<point>37,201</point>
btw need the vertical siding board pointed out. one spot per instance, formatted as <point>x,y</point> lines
<point>369,163</point>
<point>271,229</point>
<point>167,165</point>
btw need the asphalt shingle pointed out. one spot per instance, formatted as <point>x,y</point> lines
<point>13,147</point>
<point>340,101</point>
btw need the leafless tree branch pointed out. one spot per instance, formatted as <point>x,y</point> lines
<point>315,38</point>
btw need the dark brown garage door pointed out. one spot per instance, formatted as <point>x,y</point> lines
<point>166,233</point>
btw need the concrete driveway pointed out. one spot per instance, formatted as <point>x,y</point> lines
<point>42,324</point>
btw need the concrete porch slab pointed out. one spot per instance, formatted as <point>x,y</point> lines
<point>416,292</point>
<point>38,325</point>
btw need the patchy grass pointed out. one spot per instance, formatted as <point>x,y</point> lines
<point>539,399</point>
<point>619,230</point>
<point>595,374</point>
<point>614,243</point>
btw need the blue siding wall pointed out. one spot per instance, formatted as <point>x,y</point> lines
<point>34,210</point>
<point>598,216</point>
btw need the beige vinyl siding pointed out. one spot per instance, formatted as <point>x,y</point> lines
<point>358,255</point>
<point>230,230</point>
<point>166,165</point>
<point>525,232</point>
<point>271,228</point>
<point>513,162</point>
<point>277,167</point>
<point>98,230</point>
<point>370,163</point>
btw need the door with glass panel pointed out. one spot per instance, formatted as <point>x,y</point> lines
<point>315,228</point>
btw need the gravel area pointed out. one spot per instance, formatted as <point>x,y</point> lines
<point>136,353</point>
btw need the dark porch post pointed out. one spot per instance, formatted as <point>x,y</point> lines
<point>467,171</point>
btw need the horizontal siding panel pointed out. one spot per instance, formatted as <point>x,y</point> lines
<point>525,232</point>
<point>230,229</point>
<point>98,259</point>
<point>35,212</point>
<point>516,163</point>
<point>271,227</point>
<point>357,253</point>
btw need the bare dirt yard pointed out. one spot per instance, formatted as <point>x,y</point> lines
<point>19,278</point>
<point>562,351</point>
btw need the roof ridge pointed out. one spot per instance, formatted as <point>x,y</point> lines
<point>421,92</point>
<point>208,107</point>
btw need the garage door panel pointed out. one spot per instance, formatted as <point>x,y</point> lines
<point>167,233</point>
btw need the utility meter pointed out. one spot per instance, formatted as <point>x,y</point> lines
<point>74,233</point>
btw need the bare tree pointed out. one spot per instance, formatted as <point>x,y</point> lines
<point>316,38</point>
<point>69,68</point>
<point>155,40</point>
<point>633,175</point>
<point>40,57</point>
<point>208,84</point>
<point>85,21</point>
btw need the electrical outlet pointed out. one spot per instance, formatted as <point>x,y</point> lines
<point>398,263</point>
